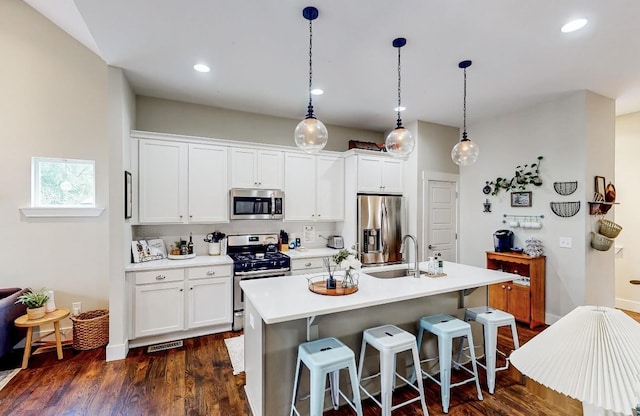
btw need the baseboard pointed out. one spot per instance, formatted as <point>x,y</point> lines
<point>117,351</point>
<point>174,336</point>
<point>628,305</point>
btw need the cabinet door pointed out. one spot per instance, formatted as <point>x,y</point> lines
<point>519,302</point>
<point>369,174</point>
<point>159,308</point>
<point>163,180</point>
<point>299,187</point>
<point>243,168</point>
<point>391,180</point>
<point>330,188</point>
<point>498,296</point>
<point>209,302</point>
<point>270,169</point>
<point>208,188</point>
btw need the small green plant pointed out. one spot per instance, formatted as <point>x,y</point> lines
<point>34,299</point>
<point>524,175</point>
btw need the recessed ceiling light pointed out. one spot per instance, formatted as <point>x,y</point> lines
<point>399,108</point>
<point>201,68</point>
<point>317,91</point>
<point>573,25</point>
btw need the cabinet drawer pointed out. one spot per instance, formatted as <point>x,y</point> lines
<point>304,264</point>
<point>206,272</point>
<point>156,276</point>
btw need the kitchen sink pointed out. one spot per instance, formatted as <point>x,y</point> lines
<point>390,274</point>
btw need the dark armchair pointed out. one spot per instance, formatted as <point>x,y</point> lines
<point>9,311</point>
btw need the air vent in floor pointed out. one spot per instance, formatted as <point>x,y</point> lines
<point>165,346</point>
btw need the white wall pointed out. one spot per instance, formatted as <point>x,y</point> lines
<point>558,131</point>
<point>53,103</point>
<point>626,214</point>
<point>167,116</point>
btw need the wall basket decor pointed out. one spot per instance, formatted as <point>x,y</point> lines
<point>565,188</point>
<point>565,209</point>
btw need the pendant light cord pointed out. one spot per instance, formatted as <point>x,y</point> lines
<point>310,107</point>
<point>464,107</point>
<point>399,121</point>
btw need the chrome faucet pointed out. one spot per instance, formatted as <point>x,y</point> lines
<point>416,270</point>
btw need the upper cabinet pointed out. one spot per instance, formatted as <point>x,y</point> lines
<point>379,174</point>
<point>253,168</point>
<point>313,187</point>
<point>182,182</point>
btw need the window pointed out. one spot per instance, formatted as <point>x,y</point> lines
<point>63,183</point>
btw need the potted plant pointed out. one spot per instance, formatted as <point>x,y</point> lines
<point>35,302</point>
<point>214,242</point>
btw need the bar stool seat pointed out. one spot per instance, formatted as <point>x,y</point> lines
<point>326,356</point>
<point>390,340</point>
<point>491,319</point>
<point>446,328</point>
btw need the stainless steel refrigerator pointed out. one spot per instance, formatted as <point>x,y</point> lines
<point>380,225</point>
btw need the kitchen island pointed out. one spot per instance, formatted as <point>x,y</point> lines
<point>282,313</point>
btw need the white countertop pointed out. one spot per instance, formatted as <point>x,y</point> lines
<point>178,264</point>
<point>288,298</point>
<point>311,252</point>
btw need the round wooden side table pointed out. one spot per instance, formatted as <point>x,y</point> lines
<point>52,317</point>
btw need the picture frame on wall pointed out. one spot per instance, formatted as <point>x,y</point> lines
<point>521,199</point>
<point>128,195</point>
<point>599,186</point>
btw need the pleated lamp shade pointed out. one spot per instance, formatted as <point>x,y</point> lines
<point>592,354</point>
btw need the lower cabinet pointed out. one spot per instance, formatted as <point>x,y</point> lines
<point>309,265</point>
<point>173,300</point>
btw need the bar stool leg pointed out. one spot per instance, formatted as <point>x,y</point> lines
<point>417,370</point>
<point>514,335</point>
<point>387,374</point>
<point>317,389</point>
<point>296,384</point>
<point>334,383</point>
<point>363,349</point>
<point>355,388</point>
<point>444,350</point>
<point>490,340</point>
<point>473,363</point>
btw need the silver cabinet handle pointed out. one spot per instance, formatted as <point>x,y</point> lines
<point>307,264</point>
<point>161,277</point>
<point>210,273</point>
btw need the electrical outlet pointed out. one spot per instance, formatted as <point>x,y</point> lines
<point>76,308</point>
<point>566,242</point>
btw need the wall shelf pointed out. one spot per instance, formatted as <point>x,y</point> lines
<point>600,207</point>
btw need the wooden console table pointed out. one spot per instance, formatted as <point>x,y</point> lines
<point>524,301</point>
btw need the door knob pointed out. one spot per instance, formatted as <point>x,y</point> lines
<point>432,247</point>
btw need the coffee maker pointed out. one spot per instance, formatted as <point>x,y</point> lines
<point>503,240</point>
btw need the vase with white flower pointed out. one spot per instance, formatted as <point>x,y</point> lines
<point>348,261</point>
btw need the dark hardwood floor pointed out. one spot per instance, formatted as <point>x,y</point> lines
<point>197,379</point>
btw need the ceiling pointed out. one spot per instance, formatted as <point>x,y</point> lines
<point>258,54</point>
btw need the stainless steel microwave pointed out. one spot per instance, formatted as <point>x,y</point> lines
<point>256,204</point>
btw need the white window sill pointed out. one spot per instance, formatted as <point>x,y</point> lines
<point>50,212</point>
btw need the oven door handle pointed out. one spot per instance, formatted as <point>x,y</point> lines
<point>263,273</point>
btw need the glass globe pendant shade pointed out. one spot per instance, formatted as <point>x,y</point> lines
<point>400,142</point>
<point>465,153</point>
<point>311,135</point>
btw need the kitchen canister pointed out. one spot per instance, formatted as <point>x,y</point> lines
<point>214,249</point>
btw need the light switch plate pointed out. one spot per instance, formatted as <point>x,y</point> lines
<point>566,242</point>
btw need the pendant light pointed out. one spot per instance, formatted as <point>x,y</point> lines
<point>465,152</point>
<point>399,142</point>
<point>311,134</point>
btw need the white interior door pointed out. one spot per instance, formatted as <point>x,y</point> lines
<point>441,219</point>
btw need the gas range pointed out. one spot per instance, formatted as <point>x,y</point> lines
<point>254,263</point>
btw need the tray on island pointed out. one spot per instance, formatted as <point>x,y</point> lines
<point>318,284</point>
<point>434,274</point>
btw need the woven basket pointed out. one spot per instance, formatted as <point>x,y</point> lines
<point>609,228</point>
<point>90,329</point>
<point>600,242</point>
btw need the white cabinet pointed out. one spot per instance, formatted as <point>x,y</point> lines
<point>159,302</point>
<point>182,182</point>
<point>313,187</point>
<point>378,174</point>
<point>209,298</point>
<point>253,168</point>
<point>309,265</point>
<point>174,300</point>
<point>208,189</point>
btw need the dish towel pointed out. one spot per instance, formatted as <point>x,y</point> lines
<point>235,348</point>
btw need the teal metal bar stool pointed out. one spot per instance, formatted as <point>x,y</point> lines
<point>491,319</point>
<point>390,340</point>
<point>446,328</point>
<point>326,356</point>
